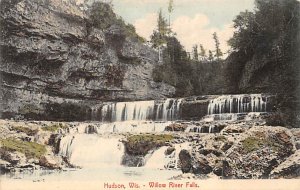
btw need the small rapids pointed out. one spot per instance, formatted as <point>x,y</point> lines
<point>92,151</point>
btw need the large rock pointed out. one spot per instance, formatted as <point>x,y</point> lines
<point>290,168</point>
<point>259,150</point>
<point>233,129</point>
<point>196,164</point>
<point>5,166</point>
<point>185,160</point>
<point>52,62</point>
<point>14,158</point>
<point>200,165</point>
<point>50,162</point>
<point>176,127</point>
<point>222,168</point>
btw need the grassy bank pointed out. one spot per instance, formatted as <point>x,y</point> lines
<point>30,149</point>
<point>143,143</point>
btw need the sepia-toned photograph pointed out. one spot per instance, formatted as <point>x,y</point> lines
<point>149,94</point>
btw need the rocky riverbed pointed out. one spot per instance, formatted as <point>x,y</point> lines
<point>234,150</point>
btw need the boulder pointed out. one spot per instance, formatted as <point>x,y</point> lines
<point>233,129</point>
<point>191,163</point>
<point>91,129</point>
<point>50,162</point>
<point>222,168</point>
<point>201,166</point>
<point>258,151</point>
<point>297,145</point>
<point>210,151</point>
<point>185,160</point>
<point>170,150</point>
<point>133,161</point>
<point>226,145</point>
<point>5,166</point>
<point>15,158</point>
<point>54,141</point>
<point>288,169</point>
<point>176,127</point>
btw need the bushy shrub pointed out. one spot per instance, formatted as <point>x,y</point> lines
<point>26,130</point>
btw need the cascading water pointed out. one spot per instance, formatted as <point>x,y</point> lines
<point>132,127</point>
<point>91,151</point>
<point>169,110</point>
<point>159,159</point>
<point>230,107</point>
<point>238,104</point>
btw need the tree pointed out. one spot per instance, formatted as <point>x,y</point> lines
<point>159,37</point>
<point>195,52</point>
<point>170,10</point>
<point>162,24</point>
<point>245,27</point>
<point>219,53</point>
<point>268,38</point>
<point>202,52</point>
<point>210,55</point>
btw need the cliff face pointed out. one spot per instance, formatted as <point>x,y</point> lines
<point>51,59</point>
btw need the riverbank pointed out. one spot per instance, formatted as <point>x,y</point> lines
<point>232,150</point>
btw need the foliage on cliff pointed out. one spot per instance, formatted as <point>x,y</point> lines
<point>102,16</point>
<point>266,54</point>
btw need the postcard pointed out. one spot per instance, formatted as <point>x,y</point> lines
<point>150,94</point>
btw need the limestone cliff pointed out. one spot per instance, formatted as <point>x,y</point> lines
<point>52,59</point>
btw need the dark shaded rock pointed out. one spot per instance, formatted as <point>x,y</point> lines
<point>185,160</point>
<point>133,161</point>
<point>288,169</point>
<point>297,145</point>
<point>49,162</point>
<point>201,166</point>
<point>54,141</point>
<point>15,158</point>
<point>170,150</point>
<point>226,145</point>
<point>194,109</point>
<point>222,168</point>
<point>91,129</point>
<point>5,166</point>
<point>193,164</point>
<point>176,127</point>
<point>233,129</point>
<point>210,151</point>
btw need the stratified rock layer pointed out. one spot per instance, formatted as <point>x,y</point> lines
<point>52,60</point>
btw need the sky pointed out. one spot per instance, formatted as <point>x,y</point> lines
<point>194,21</point>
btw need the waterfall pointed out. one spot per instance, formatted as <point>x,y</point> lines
<point>235,107</point>
<point>238,104</point>
<point>169,110</point>
<point>92,151</point>
<point>159,159</point>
